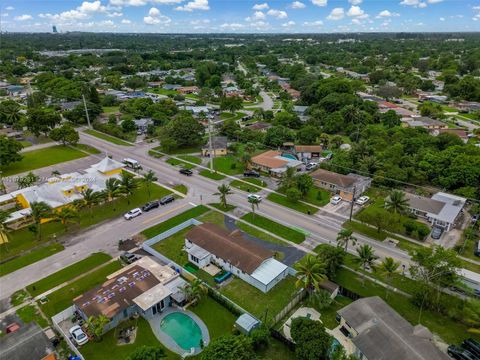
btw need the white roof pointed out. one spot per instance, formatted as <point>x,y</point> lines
<point>268,271</point>
<point>107,165</point>
<point>20,214</point>
<point>197,251</point>
<point>470,276</point>
<point>451,209</point>
<point>247,322</point>
<point>152,296</point>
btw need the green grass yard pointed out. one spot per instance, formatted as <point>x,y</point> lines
<point>172,247</point>
<point>181,188</point>
<point>187,150</point>
<point>317,196</point>
<point>30,313</point>
<point>228,165</point>
<point>211,175</point>
<point>111,109</point>
<point>297,206</point>
<point>68,273</point>
<point>218,319</point>
<point>179,163</point>
<point>40,158</point>
<point>106,137</point>
<point>250,187</point>
<point>274,227</point>
<point>87,148</point>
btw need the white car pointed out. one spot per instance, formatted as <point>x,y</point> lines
<point>78,335</point>
<point>335,200</point>
<point>362,200</point>
<point>254,197</point>
<point>311,166</point>
<point>132,214</point>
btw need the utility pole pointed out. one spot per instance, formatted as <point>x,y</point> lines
<point>86,111</point>
<point>210,143</point>
<point>353,201</point>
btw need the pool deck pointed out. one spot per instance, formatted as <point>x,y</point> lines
<point>166,340</point>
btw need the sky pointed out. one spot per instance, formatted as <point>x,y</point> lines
<point>240,16</point>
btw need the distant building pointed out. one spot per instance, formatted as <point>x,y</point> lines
<point>461,133</point>
<point>424,122</point>
<point>219,146</point>
<point>188,90</point>
<point>343,185</point>
<point>275,163</point>
<point>54,29</point>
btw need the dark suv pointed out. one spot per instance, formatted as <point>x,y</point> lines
<point>166,199</point>
<point>459,353</point>
<point>129,257</point>
<point>150,205</point>
<point>473,346</point>
<point>186,172</point>
<point>251,173</point>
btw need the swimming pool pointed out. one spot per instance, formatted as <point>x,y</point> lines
<point>182,329</point>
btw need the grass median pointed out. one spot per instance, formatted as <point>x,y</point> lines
<point>250,185</point>
<point>212,175</point>
<point>274,227</point>
<point>297,206</point>
<point>106,137</point>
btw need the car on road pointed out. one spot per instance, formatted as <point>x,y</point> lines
<point>150,206</point>
<point>254,197</point>
<point>186,172</point>
<point>166,199</point>
<point>362,200</point>
<point>311,166</point>
<point>251,173</point>
<point>129,257</point>
<point>335,200</point>
<point>436,233</point>
<point>459,353</point>
<point>132,214</point>
<point>78,335</point>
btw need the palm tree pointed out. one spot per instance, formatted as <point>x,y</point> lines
<point>11,112</point>
<point>250,148</point>
<point>288,178</point>
<point>223,191</point>
<point>366,257</point>
<point>40,210</point>
<point>396,202</point>
<point>245,159</point>
<point>389,267</point>
<point>310,273</point>
<point>90,199</point>
<point>112,188</point>
<point>128,184</point>
<point>96,325</point>
<point>148,179</point>
<point>254,202</point>
<point>344,237</point>
<point>66,215</point>
<point>194,291</point>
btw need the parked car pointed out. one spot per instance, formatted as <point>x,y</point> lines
<point>166,199</point>
<point>78,335</point>
<point>251,173</point>
<point>186,172</point>
<point>335,200</point>
<point>362,200</point>
<point>472,345</point>
<point>311,166</point>
<point>132,214</point>
<point>436,233</point>
<point>254,197</point>
<point>129,257</point>
<point>459,353</point>
<point>150,205</point>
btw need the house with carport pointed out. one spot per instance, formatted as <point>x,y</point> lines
<point>348,187</point>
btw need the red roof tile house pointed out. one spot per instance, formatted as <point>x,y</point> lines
<point>343,185</point>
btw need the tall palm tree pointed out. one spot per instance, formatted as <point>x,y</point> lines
<point>40,210</point>
<point>223,191</point>
<point>396,202</point>
<point>250,148</point>
<point>66,215</point>
<point>194,291</point>
<point>254,202</point>
<point>310,273</point>
<point>388,267</point>
<point>288,178</point>
<point>128,184</point>
<point>112,188</point>
<point>11,112</point>
<point>245,159</point>
<point>366,257</point>
<point>344,237</point>
<point>148,179</point>
<point>90,199</point>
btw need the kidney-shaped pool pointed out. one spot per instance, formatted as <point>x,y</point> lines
<point>182,329</point>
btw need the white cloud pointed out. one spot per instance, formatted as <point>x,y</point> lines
<point>279,14</point>
<point>200,21</point>
<point>194,5</point>
<point>386,13</point>
<point>4,15</point>
<point>442,19</point>
<point>155,17</point>
<point>297,5</point>
<point>313,23</point>
<point>9,8</point>
<point>92,7</point>
<point>355,11</point>
<point>355,2</point>
<point>336,14</point>
<point>126,21</point>
<point>232,26</point>
<point>415,3</point>
<point>128,2</point>
<point>289,24</point>
<point>115,14</point>
<point>320,2</point>
<point>257,15</point>
<point>434,1</point>
<point>85,10</point>
<point>422,5</point>
<point>23,17</point>
<point>263,6</point>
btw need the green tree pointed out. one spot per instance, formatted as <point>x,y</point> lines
<point>333,257</point>
<point>320,299</point>
<point>229,347</point>
<point>28,180</point>
<point>389,267</point>
<point>65,134</point>
<point>310,273</point>
<point>344,237</point>
<point>184,130</point>
<point>42,120</point>
<point>277,135</point>
<point>194,291</point>
<point>288,180</point>
<point>293,194</point>
<point>254,202</point>
<point>66,215</point>
<point>148,179</point>
<point>128,184</point>
<point>113,188</point>
<point>135,82</point>
<point>9,112</point>
<point>40,211</point>
<point>9,151</point>
<point>304,183</point>
<point>147,353</point>
<point>366,258</point>
<point>90,198</point>
<point>396,202</point>
<point>96,325</point>
<point>223,191</point>
<point>128,125</point>
<point>311,339</point>
<point>231,103</point>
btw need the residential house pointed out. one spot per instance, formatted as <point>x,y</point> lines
<point>69,105</point>
<point>441,210</point>
<point>59,191</point>
<point>423,121</point>
<point>468,106</point>
<point>188,90</point>
<point>219,146</point>
<point>461,133</point>
<point>348,187</point>
<point>232,90</point>
<point>142,124</point>
<point>300,110</point>
<point>260,126</point>
<point>144,287</point>
<point>274,162</point>
<point>197,110</point>
<point>171,87</point>
<point>209,243</point>
<point>378,332</point>
<point>308,153</point>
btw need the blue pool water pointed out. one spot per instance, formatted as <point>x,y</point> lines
<point>182,329</point>
<point>289,156</point>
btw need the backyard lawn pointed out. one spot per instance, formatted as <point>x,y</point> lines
<point>252,185</point>
<point>172,247</point>
<point>211,175</point>
<point>228,165</point>
<point>328,315</point>
<point>298,206</point>
<point>108,347</point>
<point>37,159</point>
<point>107,137</point>
<point>62,298</point>
<point>274,227</point>
<point>218,319</point>
<point>68,273</point>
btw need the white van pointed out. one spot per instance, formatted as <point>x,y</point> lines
<point>131,163</point>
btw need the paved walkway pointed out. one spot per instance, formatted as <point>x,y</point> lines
<point>39,146</point>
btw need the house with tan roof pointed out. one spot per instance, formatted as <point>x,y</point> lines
<point>274,162</point>
<point>209,243</point>
<point>343,185</point>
